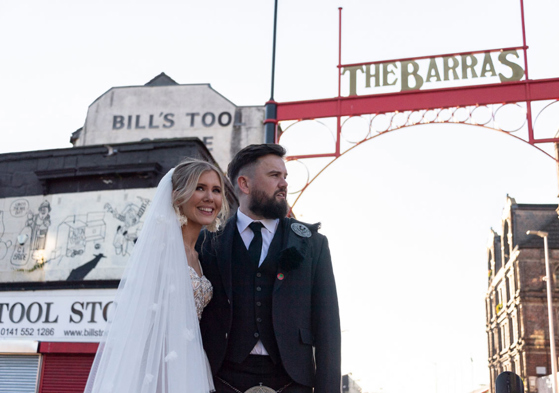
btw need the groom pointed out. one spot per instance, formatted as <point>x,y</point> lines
<point>273,319</point>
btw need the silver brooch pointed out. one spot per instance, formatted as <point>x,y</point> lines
<point>301,230</point>
<point>260,389</point>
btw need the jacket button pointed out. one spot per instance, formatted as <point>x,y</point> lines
<point>228,301</point>
<point>258,289</point>
<point>258,274</point>
<point>256,335</point>
<point>258,304</point>
<point>226,336</point>
<point>258,319</point>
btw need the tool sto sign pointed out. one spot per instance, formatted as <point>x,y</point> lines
<point>64,315</point>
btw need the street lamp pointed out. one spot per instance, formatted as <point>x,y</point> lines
<point>549,308</point>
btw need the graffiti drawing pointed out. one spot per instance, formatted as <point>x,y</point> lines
<point>22,249</point>
<point>79,273</point>
<point>32,238</point>
<point>127,232</point>
<point>4,245</point>
<point>39,224</point>
<point>19,207</point>
<point>72,237</point>
<point>76,231</point>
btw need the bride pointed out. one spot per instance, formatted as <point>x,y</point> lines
<point>153,344</point>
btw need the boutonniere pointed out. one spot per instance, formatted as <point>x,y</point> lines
<point>290,259</point>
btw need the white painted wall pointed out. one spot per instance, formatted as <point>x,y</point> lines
<point>128,114</point>
<point>44,238</point>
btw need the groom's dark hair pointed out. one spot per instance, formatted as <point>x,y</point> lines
<point>247,157</point>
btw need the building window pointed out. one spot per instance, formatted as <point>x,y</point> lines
<point>510,288</point>
<point>512,330</point>
<point>489,264</point>
<point>506,244</point>
<point>506,338</point>
<point>556,278</point>
<point>501,297</point>
<point>510,282</point>
<point>500,339</point>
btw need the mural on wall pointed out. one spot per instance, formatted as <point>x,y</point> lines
<point>72,237</point>
<point>76,231</point>
<point>4,245</point>
<point>32,238</point>
<point>127,233</point>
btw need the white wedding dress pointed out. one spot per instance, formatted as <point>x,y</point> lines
<point>153,344</point>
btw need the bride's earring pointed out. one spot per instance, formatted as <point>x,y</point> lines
<point>181,217</point>
<point>214,226</point>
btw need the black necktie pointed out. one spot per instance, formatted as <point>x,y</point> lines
<point>255,247</point>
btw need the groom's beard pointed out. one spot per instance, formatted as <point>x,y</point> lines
<point>264,206</point>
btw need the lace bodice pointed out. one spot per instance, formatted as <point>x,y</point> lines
<point>203,291</point>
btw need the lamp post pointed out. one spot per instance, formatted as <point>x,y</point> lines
<point>271,107</point>
<point>549,308</point>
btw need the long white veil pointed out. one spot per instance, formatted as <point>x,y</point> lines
<point>153,344</point>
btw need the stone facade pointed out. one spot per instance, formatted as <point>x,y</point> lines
<point>516,305</point>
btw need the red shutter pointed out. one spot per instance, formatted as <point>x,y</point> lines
<point>65,373</point>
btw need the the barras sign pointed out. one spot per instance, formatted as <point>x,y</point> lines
<point>492,66</point>
<point>66,315</point>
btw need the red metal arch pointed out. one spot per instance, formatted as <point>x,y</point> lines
<point>521,92</point>
<point>336,156</point>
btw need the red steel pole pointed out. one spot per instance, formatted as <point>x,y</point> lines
<point>339,118</point>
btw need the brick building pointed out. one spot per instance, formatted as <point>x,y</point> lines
<point>516,305</point>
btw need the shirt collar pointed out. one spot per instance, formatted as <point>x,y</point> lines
<point>243,221</point>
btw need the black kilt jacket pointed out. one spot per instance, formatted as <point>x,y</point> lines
<point>305,311</point>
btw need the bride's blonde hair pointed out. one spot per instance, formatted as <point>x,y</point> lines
<point>185,179</point>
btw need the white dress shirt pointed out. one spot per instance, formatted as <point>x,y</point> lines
<point>268,232</point>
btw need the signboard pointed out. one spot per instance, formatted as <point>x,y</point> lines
<point>65,315</point>
<point>131,114</point>
<point>70,237</point>
<point>434,72</point>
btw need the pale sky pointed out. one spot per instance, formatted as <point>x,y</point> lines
<point>407,214</point>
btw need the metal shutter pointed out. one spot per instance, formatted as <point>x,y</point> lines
<point>65,373</point>
<point>18,373</point>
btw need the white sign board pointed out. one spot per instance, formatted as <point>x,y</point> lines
<point>131,114</point>
<point>64,315</point>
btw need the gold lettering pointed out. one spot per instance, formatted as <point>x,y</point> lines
<point>352,78</point>
<point>386,72</point>
<point>487,65</point>
<point>433,71</point>
<point>406,73</point>
<point>517,71</point>
<point>468,66</point>
<point>368,75</point>
<point>447,67</point>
